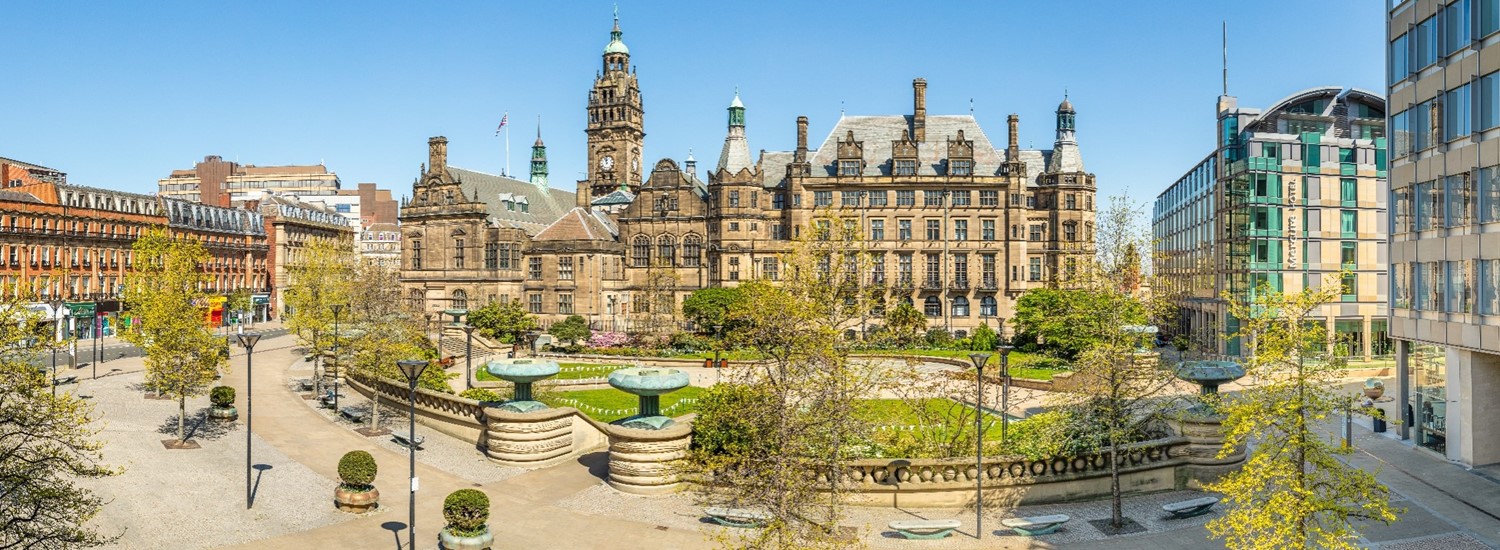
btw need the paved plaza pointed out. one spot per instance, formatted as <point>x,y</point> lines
<point>195,498</point>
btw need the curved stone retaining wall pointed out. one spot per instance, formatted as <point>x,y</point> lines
<point>543,438</point>
<point>643,462</point>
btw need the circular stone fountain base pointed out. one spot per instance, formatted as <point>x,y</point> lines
<point>523,406</point>
<point>646,422</point>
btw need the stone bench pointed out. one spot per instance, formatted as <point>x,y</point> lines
<point>1191,507</point>
<point>354,415</point>
<point>305,384</point>
<point>924,528</point>
<point>737,517</point>
<point>406,439</point>
<point>1038,525</point>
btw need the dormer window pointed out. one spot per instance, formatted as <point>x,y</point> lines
<point>510,206</point>
<point>905,167</point>
<point>961,168</point>
<point>848,168</point>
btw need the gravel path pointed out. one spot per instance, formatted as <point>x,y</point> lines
<point>194,498</point>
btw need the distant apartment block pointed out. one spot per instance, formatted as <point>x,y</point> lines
<point>1291,197</point>
<point>221,183</point>
<point>1444,77</point>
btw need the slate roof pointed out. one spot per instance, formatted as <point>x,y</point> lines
<point>579,224</point>
<point>618,196</point>
<point>544,205</point>
<point>18,196</point>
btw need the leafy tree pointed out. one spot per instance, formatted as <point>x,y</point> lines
<point>390,331</point>
<point>47,444</point>
<point>904,323</point>
<point>710,307</point>
<point>984,338</point>
<point>506,321</point>
<point>238,302</point>
<point>655,306</point>
<point>165,292</point>
<point>572,329</point>
<point>1293,491</point>
<point>317,282</point>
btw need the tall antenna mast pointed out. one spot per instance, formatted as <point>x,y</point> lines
<point>1224,51</point>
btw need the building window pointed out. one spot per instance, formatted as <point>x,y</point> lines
<point>666,251</point>
<point>987,230</point>
<point>960,198</point>
<point>1348,222</point>
<point>903,230</point>
<point>849,198</point>
<point>769,268</point>
<point>491,255</point>
<point>1036,232</point>
<point>906,198</point>
<point>1035,272</point>
<point>932,307</point>
<point>960,230</point>
<point>565,268</point>
<point>640,251</point>
<point>1071,201</point>
<point>1030,201</point>
<point>1489,194</point>
<point>1455,27</point>
<point>1456,112</point>
<point>934,230</point>
<point>989,198</point>
<point>1348,254</point>
<point>906,167</point>
<point>692,251</point>
<point>932,198</point>
<point>458,253</point>
<point>414,299</point>
<point>849,168</point>
<point>877,268</point>
<point>934,270</point>
<point>565,303</point>
<point>778,201</point>
<point>534,303</point>
<point>903,268</point>
<point>416,254</point>
<point>1487,272</point>
<point>734,199</point>
<point>534,268</point>
<point>877,198</point>
<point>961,167</point>
<point>1458,288</point>
<point>960,307</point>
<point>1070,231</point>
<point>822,198</point>
<point>1456,189</point>
<point>734,268</point>
<point>988,307</point>
<point>877,230</point>
<point>460,300</point>
<point>509,256</point>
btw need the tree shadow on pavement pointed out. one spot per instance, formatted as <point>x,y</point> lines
<point>199,426</point>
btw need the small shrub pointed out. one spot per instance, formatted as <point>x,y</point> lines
<point>939,338</point>
<point>1180,342</point>
<point>984,339</point>
<point>357,470</point>
<point>466,511</point>
<point>1039,361</point>
<point>688,342</point>
<point>483,395</point>
<point>221,396</point>
<point>608,340</point>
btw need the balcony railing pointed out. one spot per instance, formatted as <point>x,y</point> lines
<point>932,284</point>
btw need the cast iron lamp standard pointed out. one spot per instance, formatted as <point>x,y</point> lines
<point>979,360</point>
<point>468,355</point>
<point>1004,390</point>
<point>338,361</point>
<point>718,366</point>
<point>55,338</point>
<point>248,342</point>
<point>412,370</point>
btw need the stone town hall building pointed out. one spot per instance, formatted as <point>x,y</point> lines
<point>955,224</point>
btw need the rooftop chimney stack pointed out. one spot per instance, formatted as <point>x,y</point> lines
<point>437,154</point>
<point>919,112</point>
<point>801,155</point>
<point>1014,150</point>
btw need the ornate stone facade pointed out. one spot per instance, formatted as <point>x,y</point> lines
<point>951,222</point>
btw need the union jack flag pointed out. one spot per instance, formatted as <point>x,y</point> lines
<point>503,121</point>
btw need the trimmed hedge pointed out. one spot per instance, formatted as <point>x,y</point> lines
<point>466,511</point>
<point>357,469</point>
<point>221,396</point>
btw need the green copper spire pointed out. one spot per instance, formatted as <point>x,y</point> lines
<point>615,45</point>
<point>736,110</point>
<point>539,158</point>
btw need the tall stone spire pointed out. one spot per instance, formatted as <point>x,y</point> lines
<point>736,153</point>
<point>539,158</point>
<point>1065,156</point>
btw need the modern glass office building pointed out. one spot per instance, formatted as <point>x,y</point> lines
<point>1444,90</point>
<point>1291,197</point>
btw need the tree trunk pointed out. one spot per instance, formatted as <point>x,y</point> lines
<point>181,418</point>
<point>1117,517</point>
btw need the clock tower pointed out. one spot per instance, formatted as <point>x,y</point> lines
<point>615,129</point>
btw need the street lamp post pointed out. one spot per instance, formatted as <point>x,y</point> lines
<point>56,337</point>
<point>1004,390</point>
<point>338,361</point>
<point>979,359</point>
<point>468,355</point>
<point>718,367</point>
<point>412,369</point>
<point>248,342</point>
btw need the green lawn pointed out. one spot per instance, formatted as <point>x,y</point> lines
<point>899,412</point>
<point>1015,357</point>
<point>609,404</point>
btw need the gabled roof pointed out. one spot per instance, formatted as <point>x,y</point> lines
<point>618,196</point>
<point>877,133</point>
<point>544,204</point>
<point>578,224</point>
<point>18,196</point>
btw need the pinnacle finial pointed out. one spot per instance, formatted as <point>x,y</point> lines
<point>617,17</point>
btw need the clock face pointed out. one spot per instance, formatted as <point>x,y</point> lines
<point>607,162</point>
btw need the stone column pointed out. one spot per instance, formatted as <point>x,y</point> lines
<point>642,462</point>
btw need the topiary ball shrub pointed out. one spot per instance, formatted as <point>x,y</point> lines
<point>221,396</point>
<point>357,470</point>
<point>466,510</point>
<point>483,395</point>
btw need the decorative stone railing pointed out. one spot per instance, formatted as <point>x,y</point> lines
<point>453,415</point>
<point>1146,466</point>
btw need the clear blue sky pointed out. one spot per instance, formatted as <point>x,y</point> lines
<point>118,94</point>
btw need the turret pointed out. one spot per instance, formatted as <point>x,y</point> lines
<point>539,159</point>
<point>736,153</point>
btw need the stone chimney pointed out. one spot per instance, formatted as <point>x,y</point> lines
<point>801,155</point>
<point>919,110</point>
<point>437,154</point>
<point>1014,149</point>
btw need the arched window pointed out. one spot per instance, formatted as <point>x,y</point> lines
<point>932,307</point>
<point>415,298</point>
<point>640,251</point>
<point>960,307</point>
<point>666,250</point>
<point>692,251</point>
<point>460,299</point>
<point>987,307</point>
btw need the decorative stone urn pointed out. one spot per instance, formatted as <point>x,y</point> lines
<point>450,541</point>
<point>355,501</point>
<point>522,373</point>
<point>223,413</point>
<point>222,398</point>
<point>466,511</point>
<point>356,493</point>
